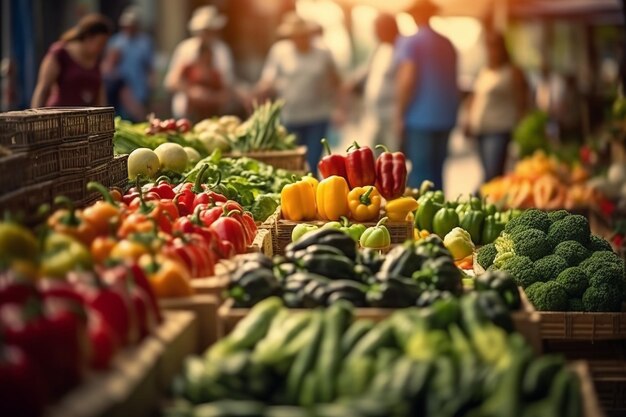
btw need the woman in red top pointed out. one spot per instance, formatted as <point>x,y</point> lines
<point>70,72</point>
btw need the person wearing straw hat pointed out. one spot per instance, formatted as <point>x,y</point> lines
<point>303,74</point>
<point>427,96</point>
<point>128,67</point>
<point>204,26</point>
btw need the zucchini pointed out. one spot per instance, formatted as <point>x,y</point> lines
<point>273,348</point>
<point>355,332</point>
<point>380,336</point>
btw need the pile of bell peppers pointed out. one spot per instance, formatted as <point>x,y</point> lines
<point>482,221</point>
<point>52,331</point>
<point>354,186</point>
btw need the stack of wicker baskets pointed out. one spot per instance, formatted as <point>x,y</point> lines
<point>55,151</point>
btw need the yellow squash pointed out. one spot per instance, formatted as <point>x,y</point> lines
<point>332,198</point>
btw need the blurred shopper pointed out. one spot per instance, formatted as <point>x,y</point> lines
<point>70,72</point>
<point>128,67</point>
<point>204,26</point>
<point>427,96</point>
<point>498,102</point>
<point>378,78</point>
<point>304,75</point>
<point>570,111</point>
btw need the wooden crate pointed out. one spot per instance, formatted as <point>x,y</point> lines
<point>26,200</point>
<point>42,164</point>
<point>28,128</point>
<point>291,160</point>
<point>118,171</point>
<point>526,324</point>
<point>262,243</point>
<point>73,120</point>
<point>179,335</point>
<point>281,235</point>
<point>591,405</point>
<point>11,170</point>
<point>70,186</point>
<point>100,148</point>
<point>573,325</point>
<point>73,156</point>
<point>204,307</point>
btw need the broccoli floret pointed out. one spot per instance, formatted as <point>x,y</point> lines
<point>550,296</point>
<point>597,244</point>
<point>602,298</point>
<point>532,288</point>
<point>557,215</point>
<point>573,252</point>
<point>549,267</point>
<point>595,261</point>
<point>532,243</point>
<point>575,304</point>
<point>521,269</point>
<point>532,218</point>
<point>573,227</point>
<point>486,255</point>
<point>574,280</point>
<point>608,274</point>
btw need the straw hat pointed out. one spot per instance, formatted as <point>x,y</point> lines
<point>206,17</point>
<point>294,25</point>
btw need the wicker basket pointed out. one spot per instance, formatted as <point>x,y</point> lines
<point>73,120</point>
<point>281,234</point>
<point>100,148</point>
<point>42,164</point>
<point>100,120</point>
<point>99,174</point>
<point>27,200</point>
<point>11,170</point>
<point>70,186</point>
<point>28,128</point>
<point>293,160</point>
<point>119,171</point>
<point>73,156</point>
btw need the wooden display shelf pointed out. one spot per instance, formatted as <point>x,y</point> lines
<point>204,307</point>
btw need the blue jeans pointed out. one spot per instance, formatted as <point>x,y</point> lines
<point>492,149</point>
<point>310,134</point>
<point>427,150</point>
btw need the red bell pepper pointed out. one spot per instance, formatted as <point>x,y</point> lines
<point>163,212</point>
<point>163,188</point>
<point>192,224</point>
<point>246,220</point>
<point>332,164</point>
<point>103,341</point>
<point>229,229</point>
<point>360,166</point>
<point>390,173</point>
<point>208,215</point>
<point>208,196</point>
<point>22,389</point>
<point>14,289</point>
<point>55,288</point>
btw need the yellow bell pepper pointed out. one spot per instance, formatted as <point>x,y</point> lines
<point>398,209</point>
<point>332,198</point>
<point>297,201</point>
<point>311,180</point>
<point>364,203</point>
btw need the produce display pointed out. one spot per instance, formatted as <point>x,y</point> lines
<point>54,330</point>
<point>560,264</point>
<point>449,359</point>
<point>543,182</point>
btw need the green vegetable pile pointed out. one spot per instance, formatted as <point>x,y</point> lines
<point>446,360</point>
<point>263,131</point>
<point>530,133</point>
<point>253,184</point>
<point>324,266</point>
<point>562,266</point>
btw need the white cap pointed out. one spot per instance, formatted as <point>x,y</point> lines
<point>206,17</point>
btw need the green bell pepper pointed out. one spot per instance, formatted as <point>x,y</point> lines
<point>333,225</point>
<point>462,208</point>
<point>444,221</point>
<point>353,230</point>
<point>376,237</point>
<point>475,203</point>
<point>472,221</point>
<point>425,214</point>
<point>62,254</point>
<point>490,209</point>
<point>301,230</point>
<point>491,229</point>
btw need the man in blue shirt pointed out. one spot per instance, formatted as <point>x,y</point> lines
<point>427,96</point>
<point>128,67</point>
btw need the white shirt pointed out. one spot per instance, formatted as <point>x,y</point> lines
<point>302,80</point>
<point>184,54</point>
<point>379,85</point>
<point>494,108</point>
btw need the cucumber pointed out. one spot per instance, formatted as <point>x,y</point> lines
<point>229,408</point>
<point>307,397</point>
<point>286,411</point>
<point>249,330</point>
<point>336,320</point>
<point>355,332</point>
<point>355,376</point>
<point>305,359</point>
<point>540,374</point>
<point>401,376</point>
<point>380,336</point>
<point>418,381</point>
<point>273,348</point>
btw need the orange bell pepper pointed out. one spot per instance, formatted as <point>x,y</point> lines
<point>101,248</point>
<point>169,278</point>
<point>103,215</point>
<point>70,222</point>
<point>128,250</point>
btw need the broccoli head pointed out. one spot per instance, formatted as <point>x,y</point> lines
<point>557,215</point>
<point>575,304</point>
<point>574,280</point>
<point>531,218</point>
<point>521,269</point>
<point>598,244</point>
<point>549,267</point>
<point>602,298</point>
<point>550,296</point>
<point>573,227</point>
<point>532,288</point>
<point>573,252</point>
<point>607,274</point>
<point>596,259</point>
<point>532,243</point>
<point>486,255</point>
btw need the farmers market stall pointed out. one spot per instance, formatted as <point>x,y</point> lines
<point>347,294</point>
